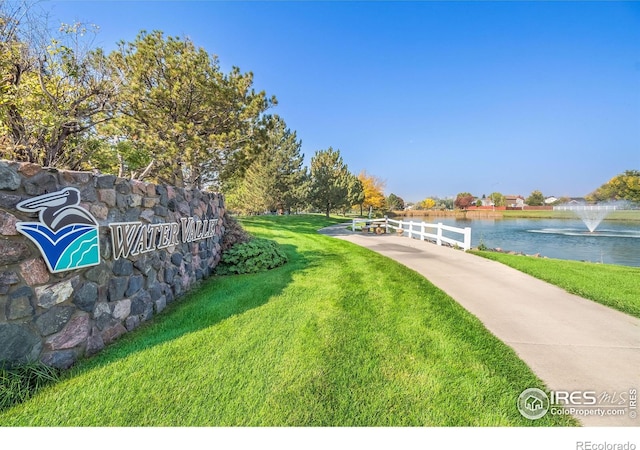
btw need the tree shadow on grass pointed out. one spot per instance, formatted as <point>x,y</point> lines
<point>221,297</point>
<point>299,224</point>
<point>216,299</point>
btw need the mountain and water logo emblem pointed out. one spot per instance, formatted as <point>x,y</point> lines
<point>67,234</point>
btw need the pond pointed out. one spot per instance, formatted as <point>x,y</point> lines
<point>613,242</point>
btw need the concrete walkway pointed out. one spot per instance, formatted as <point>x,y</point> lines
<point>571,343</point>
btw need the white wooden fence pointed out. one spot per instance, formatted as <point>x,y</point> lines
<point>418,230</point>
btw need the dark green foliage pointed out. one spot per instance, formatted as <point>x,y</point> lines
<point>535,199</point>
<point>329,181</point>
<point>18,383</point>
<point>257,255</point>
<point>275,179</point>
<point>395,203</point>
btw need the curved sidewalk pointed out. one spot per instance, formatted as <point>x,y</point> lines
<point>571,343</point>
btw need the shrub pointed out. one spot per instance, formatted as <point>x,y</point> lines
<point>18,383</point>
<point>257,255</point>
<point>233,233</point>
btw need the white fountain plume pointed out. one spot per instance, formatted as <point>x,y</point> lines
<point>591,215</point>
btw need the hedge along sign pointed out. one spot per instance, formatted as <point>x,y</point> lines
<point>67,235</point>
<point>134,238</point>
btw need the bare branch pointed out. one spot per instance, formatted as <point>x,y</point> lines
<point>145,173</point>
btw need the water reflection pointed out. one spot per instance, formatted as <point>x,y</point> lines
<point>599,233</point>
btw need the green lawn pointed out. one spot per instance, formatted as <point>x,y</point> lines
<point>610,285</point>
<point>339,336</point>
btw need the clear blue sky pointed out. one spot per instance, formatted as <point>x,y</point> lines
<point>435,98</point>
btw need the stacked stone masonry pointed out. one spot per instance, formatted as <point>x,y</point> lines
<point>58,318</point>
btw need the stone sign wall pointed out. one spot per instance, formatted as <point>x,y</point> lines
<point>155,242</point>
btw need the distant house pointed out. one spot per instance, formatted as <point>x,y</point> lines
<point>577,201</point>
<point>514,201</point>
<point>487,201</point>
<point>550,200</point>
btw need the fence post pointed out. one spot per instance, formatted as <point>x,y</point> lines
<point>422,231</point>
<point>353,224</point>
<point>386,224</point>
<point>467,238</point>
<point>439,234</point>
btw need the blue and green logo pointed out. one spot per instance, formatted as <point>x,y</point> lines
<point>67,234</point>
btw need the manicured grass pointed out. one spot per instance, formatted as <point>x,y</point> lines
<point>610,285</point>
<point>338,336</point>
<point>544,214</point>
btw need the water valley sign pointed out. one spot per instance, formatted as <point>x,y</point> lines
<point>67,235</point>
<point>134,238</point>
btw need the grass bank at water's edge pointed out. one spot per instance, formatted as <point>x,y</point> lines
<point>622,215</point>
<point>339,336</point>
<point>615,286</point>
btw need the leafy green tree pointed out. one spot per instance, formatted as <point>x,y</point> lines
<point>395,203</point>
<point>15,59</point>
<point>356,193</point>
<point>497,198</point>
<point>252,194</point>
<point>329,181</point>
<point>625,186</point>
<point>276,179</point>
<point>53,96</point>
<point>289,190</point>
<point>535,199</point>
<point>156,108</point>
<point>195,121</point>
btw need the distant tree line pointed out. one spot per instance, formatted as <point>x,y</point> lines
<point>622,187</point>
<point>625,186</point>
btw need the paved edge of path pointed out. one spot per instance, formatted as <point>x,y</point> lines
<point>569,342</point>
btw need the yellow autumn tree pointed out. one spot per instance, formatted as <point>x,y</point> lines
<point>625,186</point>
<point>427,203</point>
<point>373,191</point>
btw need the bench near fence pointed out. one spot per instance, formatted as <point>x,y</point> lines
<point>416,230</point>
